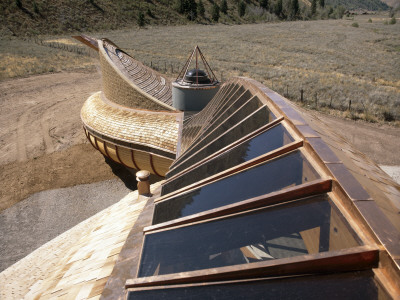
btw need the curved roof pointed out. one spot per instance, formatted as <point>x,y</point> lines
<point>128,82</point>
<point>158,130</point>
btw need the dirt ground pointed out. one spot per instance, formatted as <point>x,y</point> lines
<point>42,144</point>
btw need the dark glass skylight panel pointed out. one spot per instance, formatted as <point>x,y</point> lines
<point>263,143</point>
<point>259,118</point>
<point>285,171</point>
<point>350,285</point>
<point>226,124</point>
<point>310,226</point>
<point>192,128</point>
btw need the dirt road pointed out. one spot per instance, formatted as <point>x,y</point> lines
<point>42,144</point>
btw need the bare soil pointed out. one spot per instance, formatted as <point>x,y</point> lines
<point>42,144</point>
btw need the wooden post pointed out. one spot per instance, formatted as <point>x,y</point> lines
<point>143,185</point>
<point>330,103</point>
<point>349,105</point>
<point>301,95</point>
<point>287,90</point>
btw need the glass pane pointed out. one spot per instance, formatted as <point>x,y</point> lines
<point>255,121</point>
<point>305,227</point>
<point>352,285</point>
<point>285,171</point>
<point>263,143</point>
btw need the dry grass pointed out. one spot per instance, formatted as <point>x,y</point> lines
<point>19,58</point>
<point>333,62</point>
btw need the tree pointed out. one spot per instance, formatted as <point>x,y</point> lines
<point>313,7</point>
<point>140,20</point>
<point>264,4</point>
<point>224,7</point>
<point>150,13</point>
<point>241,8</point>
<point>35,7</point>
<point>294,8</point>
<point>322,3</point>
<point>191,9</point>
<point>180,6</point>
<point>215,12</point>
<point>278,8</point>
<point>200,9</point>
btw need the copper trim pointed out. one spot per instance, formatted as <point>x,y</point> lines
<point>357,258</point>
<point>296,193</point>
<point>133,160</point>
<point>152,165</point>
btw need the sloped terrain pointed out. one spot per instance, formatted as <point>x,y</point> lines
<point>23,17</point>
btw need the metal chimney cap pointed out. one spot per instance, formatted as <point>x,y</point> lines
<point>197,76</point>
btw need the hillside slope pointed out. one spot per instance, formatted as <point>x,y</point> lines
<point>26,17</point>
<point>360,4</point>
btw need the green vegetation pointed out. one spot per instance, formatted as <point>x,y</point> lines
<point>215,12</point>
<point>241,8</point>
<point>355,24</point>
<point>29,18</point>
<point>141,20</point>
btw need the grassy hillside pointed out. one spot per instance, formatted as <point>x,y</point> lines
<point>359,4</point>
<point>332,61</point>
<point>27,17</point>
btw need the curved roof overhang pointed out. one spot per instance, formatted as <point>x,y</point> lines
<point>151,131</point>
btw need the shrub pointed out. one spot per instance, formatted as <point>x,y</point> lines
<point>35,7</point>
<point>355,24</point>
<point>224,7</point>
<point>215,12</point>
<point>241,8</point>
<point>200,9</point>
<point>392,21</point>
<point>141,20</point>
<point>18,3</point>
<point>150,13</point>
<point>369,21</point>
<point>388,116</point>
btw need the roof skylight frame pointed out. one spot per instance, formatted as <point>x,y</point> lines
<point>205,134</point>
<point>248,118</point>
<point>263,280</point>
<point>364,257</point>
<point>229,147</point>
<point>290,194</point>
<point>275,154</point>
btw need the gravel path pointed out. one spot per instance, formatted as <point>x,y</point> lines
<point>43,216</point>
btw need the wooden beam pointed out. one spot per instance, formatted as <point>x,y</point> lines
<point>352,259</point>
<point>297,192</point>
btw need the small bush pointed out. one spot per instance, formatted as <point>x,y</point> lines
<point>369,21</point>
<point>355,24</point>
<point>215,12</point>
<point>392,21</point>
<point>241,8</point>
<point>150,13</point>
<point>141,20</point>
<point>388,116</point>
